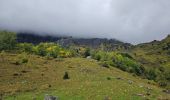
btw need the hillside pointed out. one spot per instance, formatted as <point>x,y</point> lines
<point>155,56</point>
<point>156,47</point>
<point>84,50</point>
<point>38,76</point>
<point>81,70</point>
<point>155,52</point>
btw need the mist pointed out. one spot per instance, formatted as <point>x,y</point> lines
<point>133,21</point>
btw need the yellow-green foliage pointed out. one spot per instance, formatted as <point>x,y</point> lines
<point>45,49</point>
<point>125,63</point>
<point>25,47</point>
<point>80,51</point>
<point>20,59</point>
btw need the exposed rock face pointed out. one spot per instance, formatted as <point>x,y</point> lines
<point>34,38</point>
<point>108,44</point>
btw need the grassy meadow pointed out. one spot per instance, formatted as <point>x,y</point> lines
<point>39,76</point>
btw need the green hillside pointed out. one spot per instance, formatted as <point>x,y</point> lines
<point>31,71</point>
<point>88,80</point>
<point>155,56</point>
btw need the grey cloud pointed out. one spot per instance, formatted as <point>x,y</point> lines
<point>134,21</point>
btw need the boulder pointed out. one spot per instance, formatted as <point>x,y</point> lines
<point>166,91</point>
<point>50,97</point>
<point>88,57</point>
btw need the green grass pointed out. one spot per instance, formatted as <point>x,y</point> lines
<point>88,80</point>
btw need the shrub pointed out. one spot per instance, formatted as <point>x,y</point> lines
<point>7,40</point>
<point>26,47</point>
<point>167,74</point>
<point>123,62</point>
<point>51,50</point>
<point>98,55</point>
<point>24,60</point>
<point>66,76</point>
<point>150,74</point>
<point>126,55</point>
<point>162,83</point>
<point>105,64</point>
<point>87,52</point>
<point>16,63</point>
<point>162,69</point>
<point>108,78</point>
<point>40,49</point>
<point>80,51</point>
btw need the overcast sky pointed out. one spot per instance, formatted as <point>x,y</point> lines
<point>133,21</point>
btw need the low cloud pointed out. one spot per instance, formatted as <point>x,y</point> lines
<point>133,21</point>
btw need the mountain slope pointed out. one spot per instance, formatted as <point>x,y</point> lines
<point>155,56</point>
<point>88,80</point>
<point>157,52</point>
<point>156,47</point>
<point>35,38</point>
<point>108,44</point>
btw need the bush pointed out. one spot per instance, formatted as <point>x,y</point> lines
<point>7,40</point>
<point>26,47</point>
<point>51,50</point>
<point>40,49</point>
<point>24,60</point>
<point>121,66</point>
<point>20,59</point>
<point>126,55</point>
<point>98,55</point>
<point>108,78</point>
<point>151,74</point>
<point>16,63</point>
<point>66,76</point>
<point>123,62</point>
<point>87,52</point>
<point>162,83</point>
<point>105,64</point>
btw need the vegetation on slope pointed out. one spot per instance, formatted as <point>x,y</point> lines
<point>87,80</point>
<point>155,56</point>
<point>143,61</point>
<point>122,61</point>
<point>45,49</point>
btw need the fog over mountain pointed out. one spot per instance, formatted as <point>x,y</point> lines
<point>133,21</point>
